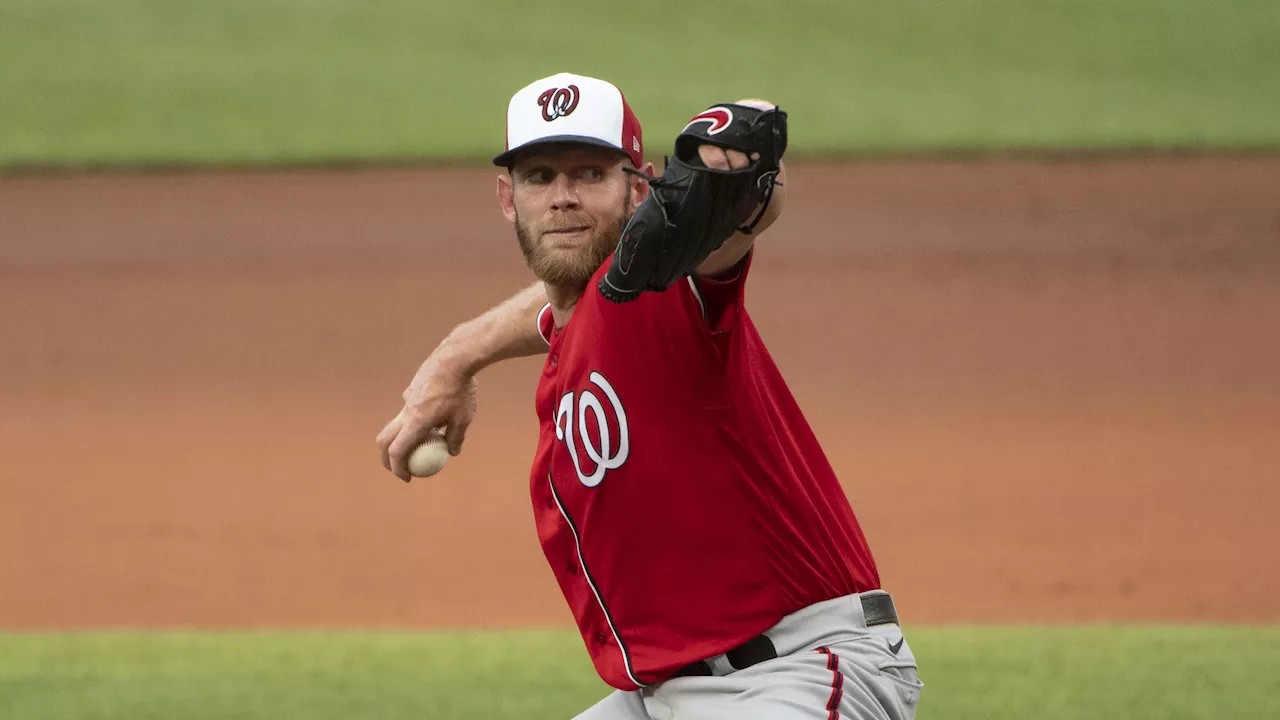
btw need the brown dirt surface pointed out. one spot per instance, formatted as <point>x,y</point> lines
<point>1050,387</point>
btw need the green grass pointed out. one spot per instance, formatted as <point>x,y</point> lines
<point>129,81</point>
<point>988,673</point>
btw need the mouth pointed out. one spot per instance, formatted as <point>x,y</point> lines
<point>566,237</point>
<point>574,230</point>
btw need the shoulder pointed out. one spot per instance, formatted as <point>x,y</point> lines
<point>658,311</point>
<point>723,294</point>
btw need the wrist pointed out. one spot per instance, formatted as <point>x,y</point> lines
<point>460,352</point>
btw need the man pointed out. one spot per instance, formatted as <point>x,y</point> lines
<point>696,529</point>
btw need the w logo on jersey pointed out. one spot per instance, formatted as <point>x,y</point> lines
<point>576,414</point>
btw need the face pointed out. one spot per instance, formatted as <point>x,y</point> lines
<point>569,204</point>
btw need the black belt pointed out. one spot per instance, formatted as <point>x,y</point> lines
<point>877,608</point>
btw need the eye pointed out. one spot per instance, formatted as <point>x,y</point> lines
<point>591,174</point>
<point>539,176</point>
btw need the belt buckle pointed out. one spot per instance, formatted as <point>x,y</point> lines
<point>697,668</point>
<point>752,652</point>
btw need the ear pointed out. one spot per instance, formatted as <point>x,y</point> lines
<point>507,198</point>
<point>639,188</point>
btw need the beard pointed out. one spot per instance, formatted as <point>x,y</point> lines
<point>573,268</point>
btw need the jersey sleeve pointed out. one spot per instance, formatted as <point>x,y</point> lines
<point>721,297</point>
<point>545,323</point>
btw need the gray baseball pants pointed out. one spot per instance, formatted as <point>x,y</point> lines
<point>830,666</point>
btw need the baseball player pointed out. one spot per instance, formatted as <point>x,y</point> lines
<point>704,545</point>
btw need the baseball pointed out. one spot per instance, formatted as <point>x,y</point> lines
<point>429,458</point>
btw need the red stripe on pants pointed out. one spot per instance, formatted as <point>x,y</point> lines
<point>837,684</point>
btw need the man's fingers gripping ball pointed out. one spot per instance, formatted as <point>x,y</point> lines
<point>412,433</point>
<point>430,457</point>
<point>388,436</point>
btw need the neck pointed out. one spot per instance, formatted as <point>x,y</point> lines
<point>563,300</point>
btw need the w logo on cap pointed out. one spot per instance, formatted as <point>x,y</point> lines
<point>558,102</point>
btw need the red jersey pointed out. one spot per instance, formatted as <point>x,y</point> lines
<point>680,496</point>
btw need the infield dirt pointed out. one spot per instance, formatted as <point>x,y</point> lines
<point>1050,389</point>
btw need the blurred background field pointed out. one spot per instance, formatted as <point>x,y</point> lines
<point>1201,673</point>
<point>1048,384</point>
<point>245,81</point>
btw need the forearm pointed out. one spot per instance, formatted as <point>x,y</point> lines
<point>736,247</point>
<point>508,330</point>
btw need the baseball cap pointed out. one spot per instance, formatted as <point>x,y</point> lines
<point>571,108</point>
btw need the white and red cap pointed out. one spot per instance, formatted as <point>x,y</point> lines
<point>571,108</point>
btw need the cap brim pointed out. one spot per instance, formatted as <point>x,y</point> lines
<point>507,158</point>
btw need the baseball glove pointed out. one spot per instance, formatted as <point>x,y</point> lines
<point>693,209</point>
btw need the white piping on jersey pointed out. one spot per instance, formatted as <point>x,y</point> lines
<point>693,285</point>
<point>577,541</point>
<point>537,324</point>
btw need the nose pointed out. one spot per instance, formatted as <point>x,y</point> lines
<point>564,194</point>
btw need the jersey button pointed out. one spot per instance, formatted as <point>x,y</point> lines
<point>555,360</point>
<point>572,569</point>
<point>601,638</point>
